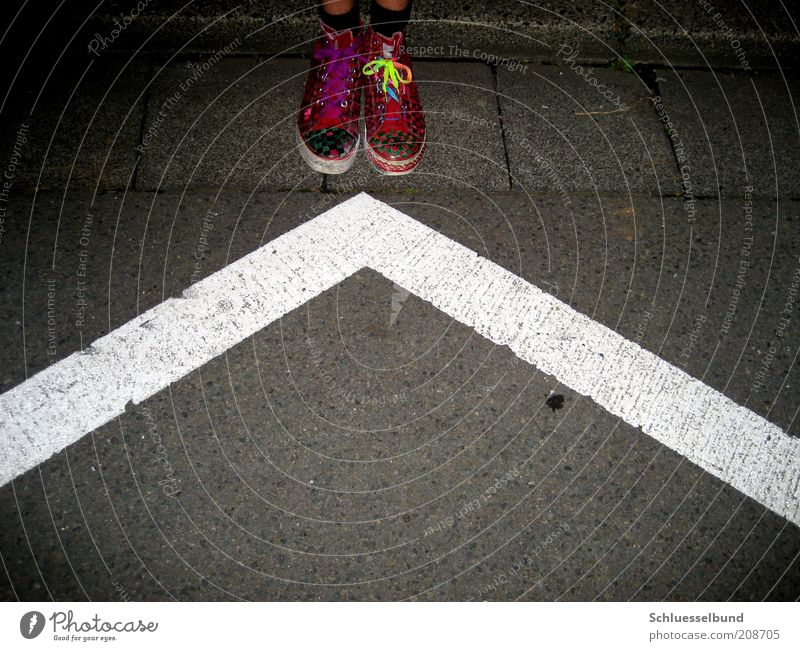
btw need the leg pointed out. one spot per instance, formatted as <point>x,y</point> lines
<point>337,7</point>
<point>327,123</point>
<point>390,16</point>
<point>340,14</point>
<point>394,119</point>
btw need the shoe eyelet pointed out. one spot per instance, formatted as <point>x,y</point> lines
<point>343,104</point>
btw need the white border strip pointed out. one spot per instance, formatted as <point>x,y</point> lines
<point>67,400</point>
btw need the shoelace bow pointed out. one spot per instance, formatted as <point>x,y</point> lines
<point>392,78</point>
<point>337,68</point>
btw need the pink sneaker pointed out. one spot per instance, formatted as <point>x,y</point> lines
<point>327,125</point>
<point>393,116</point>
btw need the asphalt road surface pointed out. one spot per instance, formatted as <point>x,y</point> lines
<point>326,422</point>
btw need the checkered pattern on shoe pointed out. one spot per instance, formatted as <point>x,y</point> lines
<point>394,120</point>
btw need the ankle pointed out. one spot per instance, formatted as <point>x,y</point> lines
<point>340,22</point>
<point>388,22</point>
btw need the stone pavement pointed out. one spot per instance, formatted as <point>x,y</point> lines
<point>347,451</point>
<point>685,32</point>
<point>579,128</point>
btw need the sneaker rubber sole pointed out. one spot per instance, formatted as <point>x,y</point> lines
<point>325,165</point>
<point>388,167</point>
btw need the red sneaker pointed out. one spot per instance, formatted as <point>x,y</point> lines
<point>327,125</point>
<point>394,123</point>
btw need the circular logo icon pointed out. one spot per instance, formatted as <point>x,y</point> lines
<point>31,624</point>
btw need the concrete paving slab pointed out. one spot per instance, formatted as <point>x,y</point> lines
<point>723,33</point>
<point>737,130</point>
<point>465,143</point>
<point>509,28</point>
<point>641,29</point>
<point>171,27</point>
<point>582,129</point>
<point>79,128</point>
<point>225,123</point>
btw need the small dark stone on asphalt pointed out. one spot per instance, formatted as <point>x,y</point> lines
<point>555,401</point>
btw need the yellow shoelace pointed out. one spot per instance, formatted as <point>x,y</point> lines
<point>391,74</point>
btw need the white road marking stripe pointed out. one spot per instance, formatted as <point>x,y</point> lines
<point>62,403</point>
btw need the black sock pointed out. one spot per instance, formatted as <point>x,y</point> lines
<point>349,20</point>
<point>386,21</point>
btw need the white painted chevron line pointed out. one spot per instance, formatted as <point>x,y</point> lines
<point>67,400</point>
